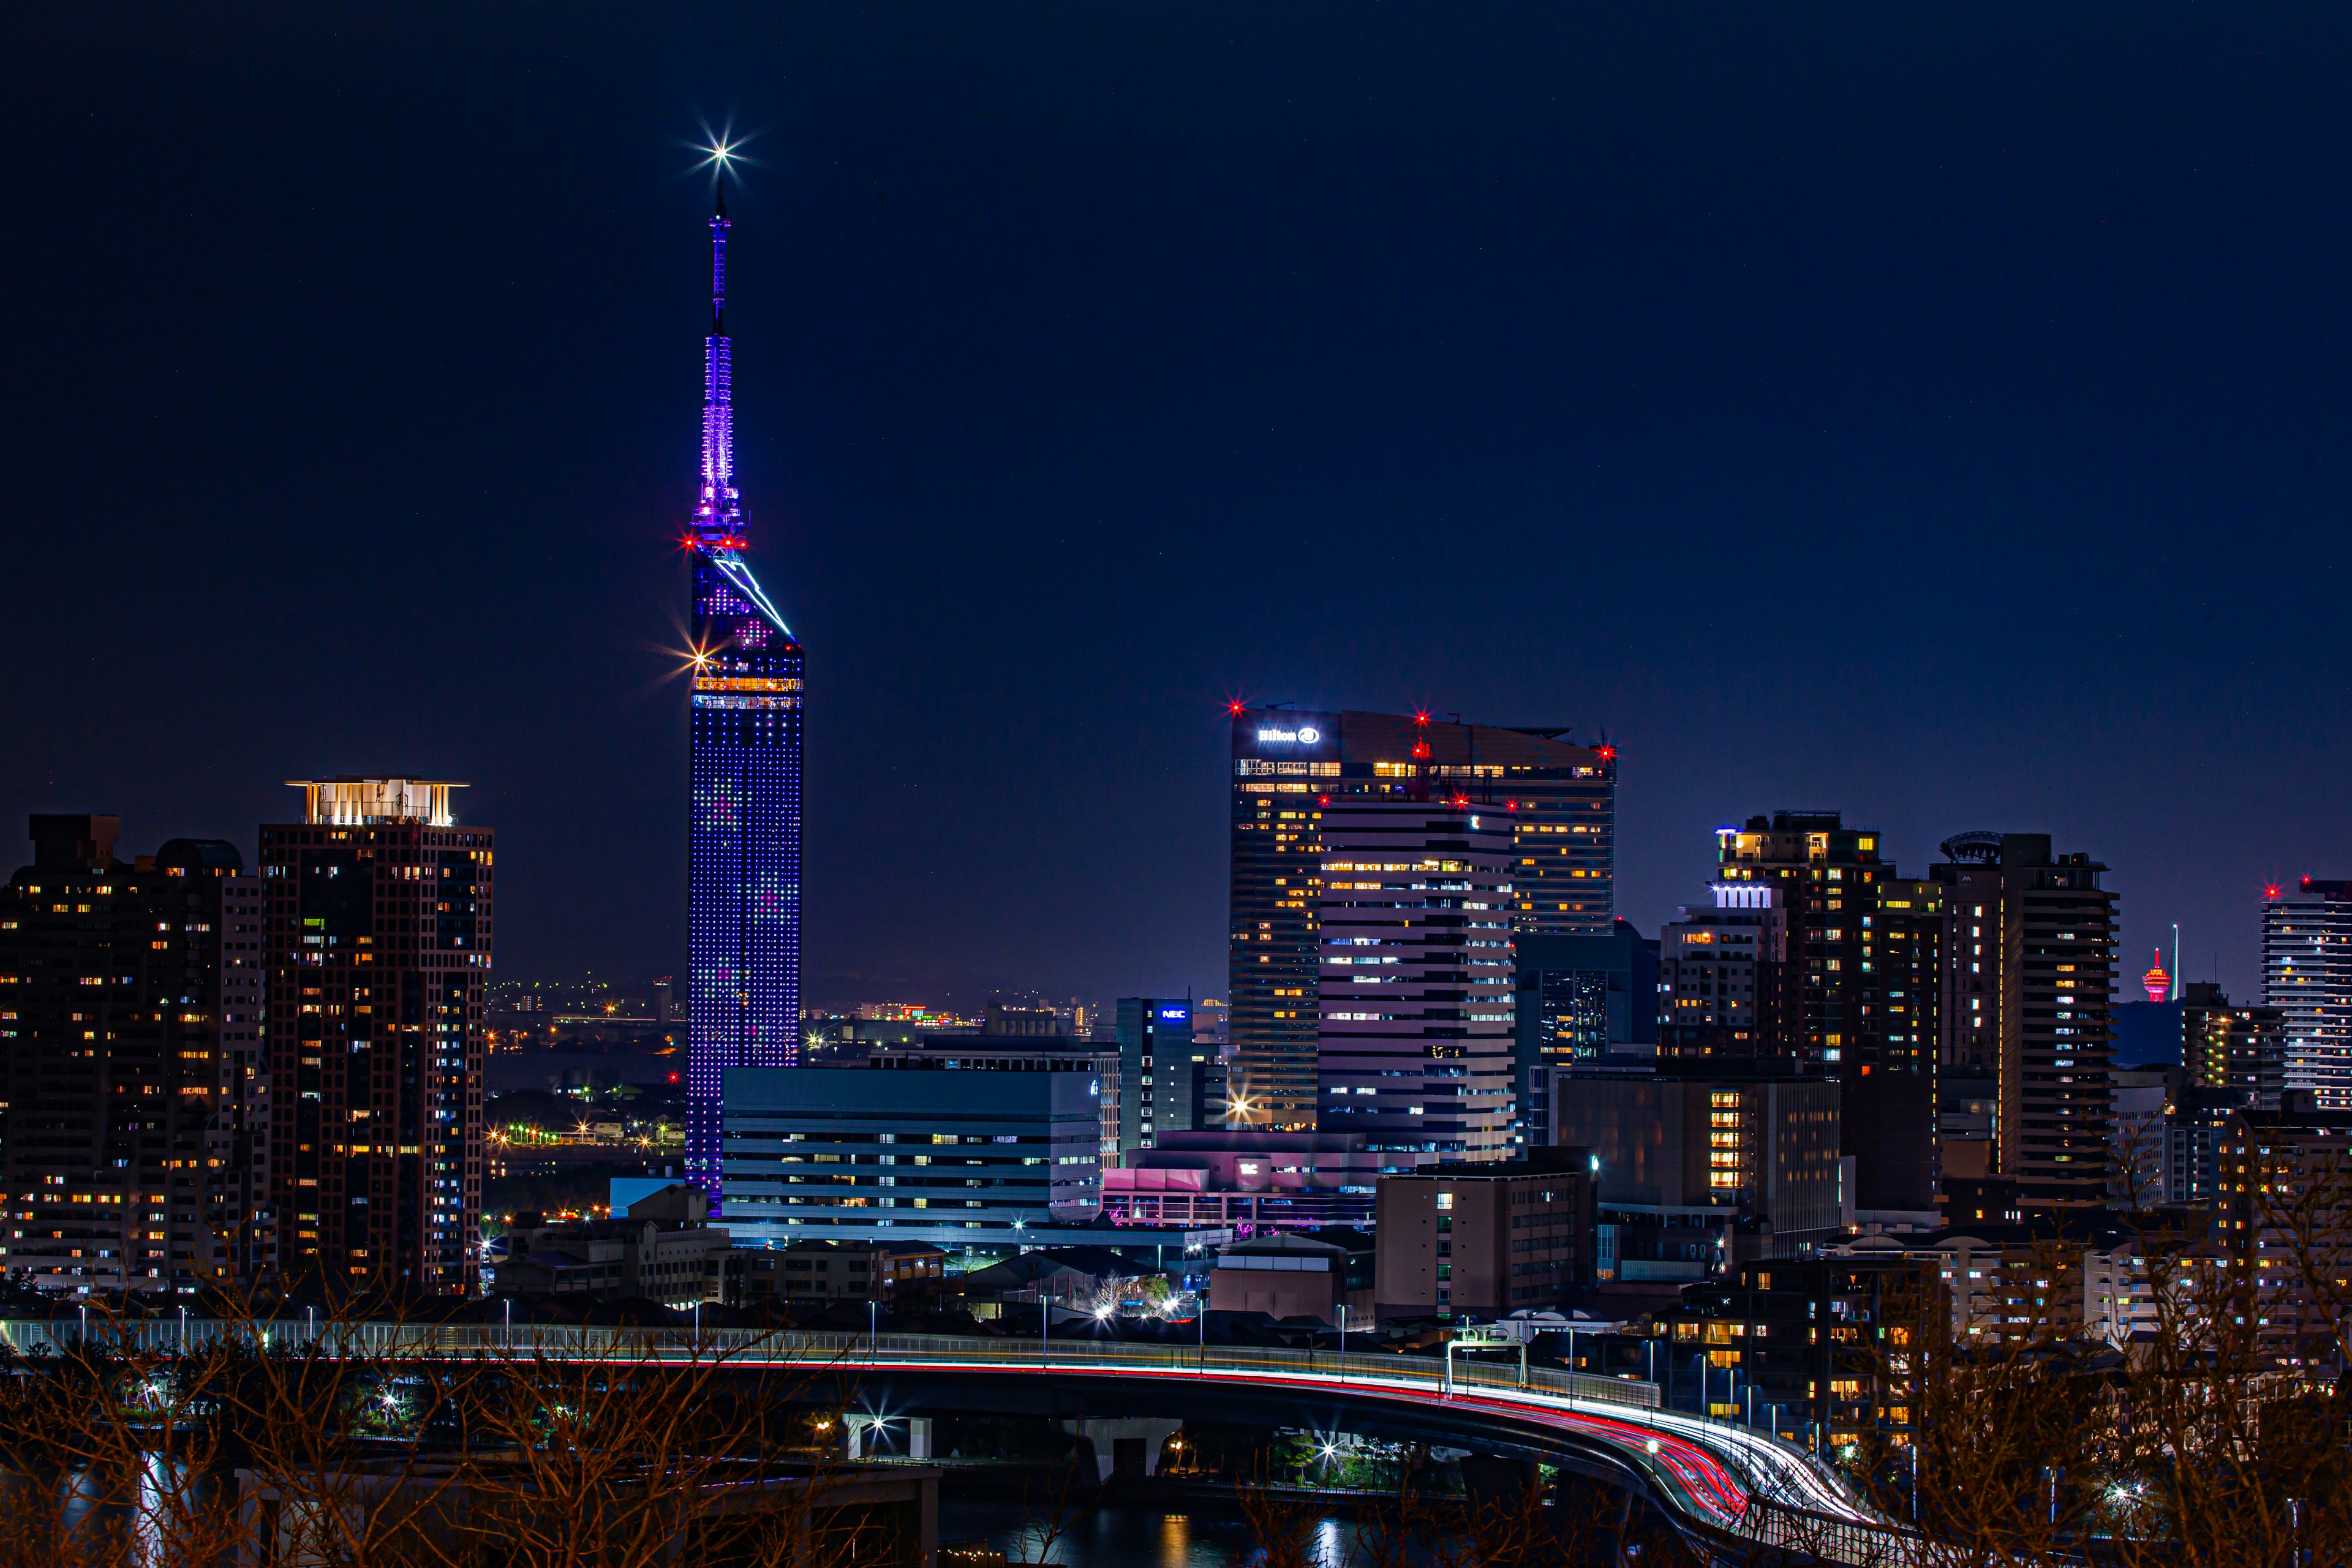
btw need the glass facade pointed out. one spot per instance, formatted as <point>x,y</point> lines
<point>743,938</point>
<point>1287,766</point>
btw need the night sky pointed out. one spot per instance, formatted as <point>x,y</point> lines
<point>1934,414</point>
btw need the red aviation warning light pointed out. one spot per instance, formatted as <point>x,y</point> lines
<point>1607,753</point>
<point>2270,889</point>
<point>1236,707</point>
<point>2158,984</point>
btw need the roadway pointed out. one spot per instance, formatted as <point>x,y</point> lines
<point>1721,1482</point>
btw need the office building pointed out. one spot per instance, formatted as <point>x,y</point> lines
<point>2028,985</point>
<point>743,895</point>
<point>1485,1239</point>
<point>1724,978</point>
<point>1579,998</point>
<point>1191,1093</point>
<point>1689,1155</point>
<point>2227,1047</point>
<point>131,1065</point>
<point>1416,1034</point>
<point>662,1248</point>
<point>1268,1181</point>
<point>1155,1035</point>
<point>2307,976</point>
<point>1562,799</point>
<point>1015,1039</point>
<point>960,1159</point>
<point>378,905</point>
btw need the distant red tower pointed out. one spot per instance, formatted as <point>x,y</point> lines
<point>2158,984</point>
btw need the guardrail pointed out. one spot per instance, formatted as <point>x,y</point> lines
<point>782,1347</point>
<point>1763,1522</point>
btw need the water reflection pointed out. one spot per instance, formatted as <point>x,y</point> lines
<point>1120,1537</point>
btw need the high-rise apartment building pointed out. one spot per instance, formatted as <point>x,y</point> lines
<point>1891,1076</point>
<point>2028,989</point>
<point>743,898</point>
<point>1414,992</point>
<point>1857,1001</point>
<point>2226,1046</point>
<point>132,1069</point>
<point>1287,766</point>
<point>2307,976</point>
<point>1724,975</point>
<point>378,910</point>
<point>1828,874</point>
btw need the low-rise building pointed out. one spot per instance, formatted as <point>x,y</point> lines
<point>844,1270</point>
<point>1485,1238</point>
<point>1294,1274</point>
<point>660,1249</point>
<point>1285,1181</point>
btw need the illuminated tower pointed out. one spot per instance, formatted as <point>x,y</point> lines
<point>2158,983</point>
<point>744,920</point>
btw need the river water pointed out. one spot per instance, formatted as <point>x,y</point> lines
<point>1128,1536</point>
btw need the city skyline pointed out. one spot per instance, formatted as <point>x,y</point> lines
<point>974,449</point>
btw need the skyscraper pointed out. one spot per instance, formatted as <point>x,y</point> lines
<point>1416,977</point>
<point>2307,976</point>
<point>1562,799</point>
<point>2028,991</point>
<point>377,906</point>
<point>743,918</point>
<point>130,1064</point>
<point>1155,1052</point>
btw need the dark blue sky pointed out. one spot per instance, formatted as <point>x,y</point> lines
<point>1935,413</point>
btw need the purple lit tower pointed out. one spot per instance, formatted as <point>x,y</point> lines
<point>743,922</point>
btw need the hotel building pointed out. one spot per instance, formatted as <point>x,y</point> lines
<point>1560,799</point>
<point>1414,990</point>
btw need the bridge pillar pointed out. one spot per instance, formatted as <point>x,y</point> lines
<point>1127,1446</point>
<point>918,1438</point>
<point>854,1429</point>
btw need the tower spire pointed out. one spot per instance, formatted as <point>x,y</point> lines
<point>718,514</point>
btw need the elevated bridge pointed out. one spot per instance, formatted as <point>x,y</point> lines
<point>1734,1494</point>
